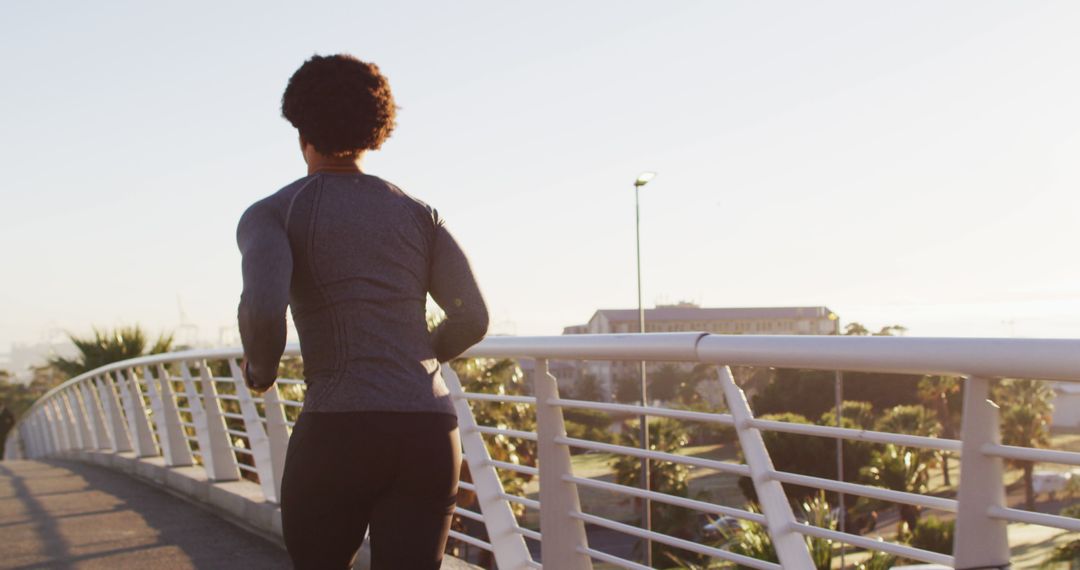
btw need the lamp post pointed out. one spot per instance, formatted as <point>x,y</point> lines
<point>646,515</point>
<point>838,392</point>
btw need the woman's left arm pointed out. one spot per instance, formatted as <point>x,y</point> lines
<point>267,269</point>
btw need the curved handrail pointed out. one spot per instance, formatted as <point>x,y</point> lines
<point>1045,359</point>
<point>978,360</point>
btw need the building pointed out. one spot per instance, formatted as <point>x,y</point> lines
<point>687,317</point>
<point>1066,416</point>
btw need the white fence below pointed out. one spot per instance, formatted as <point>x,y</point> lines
<point>192,410</point>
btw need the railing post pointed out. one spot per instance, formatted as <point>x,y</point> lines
<point>135,410</point>
<point>62,427</point>
<point>63,411</point>
<point>260,443</point>
<point>58,426</point>
<point>66,422</point>
<point>564,536</point>
<point>37,438</point>
<point>55,440</point>
<point>160,426</point>
<point>177,451</point>
<point>48,433</point>
<point>217,454</point>
<point>508,544</point>
<point>981,541</point>
<point>83,437</point>
<point>119,438</point>
<point>790,547</point>
<point>78,398</point>
<point>44,441</point>
<point>277,431</point>
<point>99,434</point>
<point>49,437</point>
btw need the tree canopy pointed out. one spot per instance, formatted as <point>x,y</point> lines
<point>105,347</point>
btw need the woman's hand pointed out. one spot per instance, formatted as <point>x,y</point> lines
<point>249,379</point>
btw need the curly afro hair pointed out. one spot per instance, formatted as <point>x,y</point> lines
<point>340,105</point>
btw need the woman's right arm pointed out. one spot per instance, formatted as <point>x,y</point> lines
<point>267,270</point>
<point>454,288</point>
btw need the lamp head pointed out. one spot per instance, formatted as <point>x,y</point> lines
<point>644,179</point>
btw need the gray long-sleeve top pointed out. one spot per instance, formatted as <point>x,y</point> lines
<point>355,257</point>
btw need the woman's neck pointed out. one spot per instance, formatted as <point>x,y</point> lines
<point>318,162</point>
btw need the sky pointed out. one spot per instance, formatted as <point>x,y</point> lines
<point>913,163</point>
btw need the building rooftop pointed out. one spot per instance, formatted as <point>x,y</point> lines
<point>679,313</point>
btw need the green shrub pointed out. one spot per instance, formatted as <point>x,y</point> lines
<point>1069,552</point>
<point>1071,510</point>
<point>667,477</point>
<point>934,535</point>
<point>752,539</point>
<point>795,453</point>
<point>1072,488</point>
<point>587,432</point>
<point>591,418</point>
<point>591,425</point>
<point>861,414</point>
<point>707,433</point>
<point>811,392</point>
<point>878,561</point>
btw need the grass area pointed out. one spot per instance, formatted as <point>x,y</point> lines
<point>705,484</point>
<point>1031,544</point>
<point>710,485</point>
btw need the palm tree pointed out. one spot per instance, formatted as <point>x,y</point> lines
<point>1026,408</point>
<point>861,414</point>
<point>900,469</point>
<point>664,477</point>
<point>687,390</point>
<point>859,329</point>
<point>587,389</point>
<point>664,381</point>
<point>892,330</point>
<point>936,392</point>
<point>856,329</point>
<point>911,420</point>
<point>106,347</point>
<point>752,539</point>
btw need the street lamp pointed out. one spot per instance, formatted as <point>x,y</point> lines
<point>838,392</point>
<point>646,516</point>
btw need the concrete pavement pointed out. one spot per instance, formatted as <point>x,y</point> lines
<point>72,514</point>
<point>67,514</point>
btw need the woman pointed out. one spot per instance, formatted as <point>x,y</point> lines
<point>355,258</point>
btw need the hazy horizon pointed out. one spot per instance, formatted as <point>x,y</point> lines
<point>911,164</point>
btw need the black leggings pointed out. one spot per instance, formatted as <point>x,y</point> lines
<point>397,472</point>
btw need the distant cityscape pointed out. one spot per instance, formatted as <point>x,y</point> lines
<point>686,317</point>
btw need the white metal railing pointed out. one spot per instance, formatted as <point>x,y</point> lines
<point>117,409</point>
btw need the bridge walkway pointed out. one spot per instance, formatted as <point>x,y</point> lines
<point>66,514</point>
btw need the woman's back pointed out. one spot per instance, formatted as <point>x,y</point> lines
<point>363,256</point>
